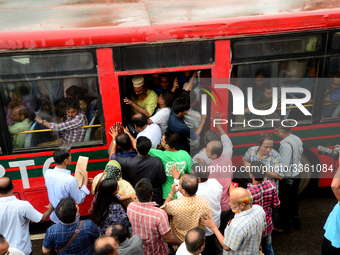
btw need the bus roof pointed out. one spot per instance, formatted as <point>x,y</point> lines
<point>53,23</point>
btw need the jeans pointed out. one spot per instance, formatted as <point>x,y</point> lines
<point>267,247</point>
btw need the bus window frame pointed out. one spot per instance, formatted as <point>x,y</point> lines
<point>6,147</point>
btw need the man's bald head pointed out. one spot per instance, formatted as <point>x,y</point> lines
<point>20,112</point>
<point>195,240</point>
<point>6,186</point>
<point>240,200</point>
<point>189,183</point>
<point>214,149</point>
<point>106,245</point>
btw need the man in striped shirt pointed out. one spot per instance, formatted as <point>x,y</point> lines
<point>150,222</point>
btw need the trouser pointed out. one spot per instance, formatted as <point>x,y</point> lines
<point>267,247</point>
<point>289,208</point>
<point>212,246</point>
<point>328,248</point>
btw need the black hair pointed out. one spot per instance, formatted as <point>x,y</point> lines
<point>168,97</point>
<point>103,250</point>
<point>171,138</point>
<point>2,239</point>
<point>123,141</point>
<point>211,135</point>
<point>190,183</point>
<point>262,72</point>
<point>181,105</point>
<point>7,188</point>
<point>143,145</point>
<point>119,232</point>
<point>104,199</point>
<point>217,149</point>
<point>139,120</point>
<point>144,190</point>
<point>264,136</point>
<point>201,170</point>
<point>257,169</point>
<point>166,75</point>
<point>72,103</point>
<point>336,75</point>
<point>66,210</point>
<point>193,245</point>
<point>278,125</point>
<point>61,153</point>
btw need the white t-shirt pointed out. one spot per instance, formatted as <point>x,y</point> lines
<point>182,250</point>
<point>161,118</point>
<point>227,149</point>
<point>14,251</point>
<point>212,191</point>
<point>15,215</point>
<point>154,133</point>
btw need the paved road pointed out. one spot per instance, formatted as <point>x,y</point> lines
<point>315,205</point>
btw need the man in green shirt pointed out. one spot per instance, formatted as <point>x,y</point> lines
<point>22,122</point>
<point>172,157</point>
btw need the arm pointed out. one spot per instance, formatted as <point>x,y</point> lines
<point>191,82</point>
<point>47,213</point>
<point>219,126</point>
<point>45,250</point>
<point>126,197</point>
<point>175,85</point>
<point>170,239</point>
<point>172,193</point>
<point>200,127</point>
<point>114,131</point>
<point>79,194</point>
<point>133,140</point>
<point>209,222</point>
<point>137,107</point>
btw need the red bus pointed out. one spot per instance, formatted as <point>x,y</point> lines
<point>92,49</point>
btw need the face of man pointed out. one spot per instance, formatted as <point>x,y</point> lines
<point>163,143</point>
<point>140,92</point>
<point>335,84</point>
<point>234,205</point>
<point>268,94</point>
<point>312,72</point>
<point>279,133</point>
<point>208,151</point>
<point>260,81</point>
<point>15,115</point>
<point>180,187</point>
<point>164,82</point>
<point>266,147</point>
<point>4,248</point>
<point>72,112</point>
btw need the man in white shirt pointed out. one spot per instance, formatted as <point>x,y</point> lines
<point>194,242</point>
<point>212,135</point>
<point>60,183</point>
<point>161,117</point>
<point>153,131</point>
<point>212,190</point>
<point>15,216</point>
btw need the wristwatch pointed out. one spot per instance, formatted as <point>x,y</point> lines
<point>43,122</point>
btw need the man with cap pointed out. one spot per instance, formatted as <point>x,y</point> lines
<point>143,100</point>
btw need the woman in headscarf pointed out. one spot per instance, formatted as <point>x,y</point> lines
<point>126,192</point>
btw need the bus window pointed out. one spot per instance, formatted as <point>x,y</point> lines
<point>331,98</point>
<point>285,45</point>
<point>37,107</point>
<point>267,77</point>
<point>336,41</point>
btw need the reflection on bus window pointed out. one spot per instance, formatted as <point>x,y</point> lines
<point>331,107</point>
<point>54,110</point>
<point>282,46</point>
<point>263,77</point>
<point>336,41</point>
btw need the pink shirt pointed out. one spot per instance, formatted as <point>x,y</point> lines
<point>221,170</point>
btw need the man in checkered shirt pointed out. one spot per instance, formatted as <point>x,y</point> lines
<point>264,193</point>
<point>70,128</point>
<point>244,233</point>
<point>150,222</point>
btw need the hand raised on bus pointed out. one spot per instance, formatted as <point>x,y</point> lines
<point>128,101</point>
<point>119,128</point>
<point>113,132</point>
<point>175,85</point>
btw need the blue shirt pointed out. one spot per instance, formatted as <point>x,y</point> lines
<point>334,97</point>
<point>177,124</point>
<point>60,183</point>
<point>58,235</point>
<point>332,226</point>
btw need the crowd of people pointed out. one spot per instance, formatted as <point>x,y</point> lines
<point>155,198</point>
